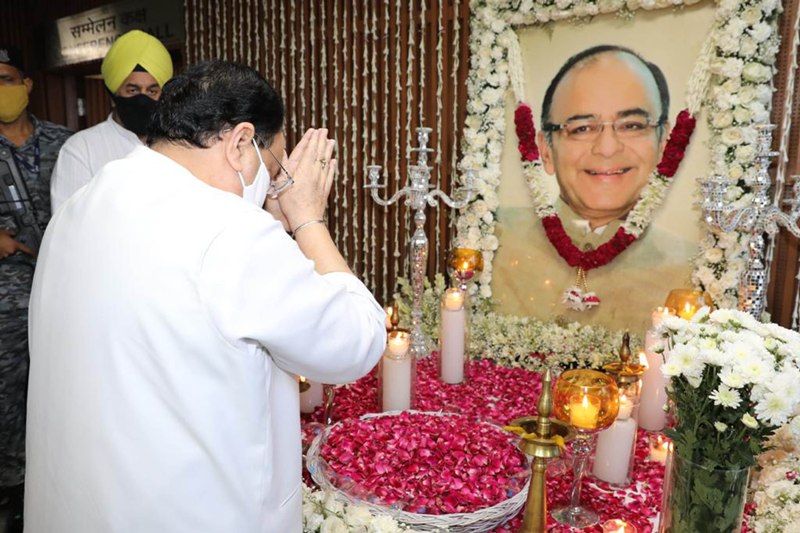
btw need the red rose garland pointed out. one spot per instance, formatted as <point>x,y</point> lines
<point>622,239</point>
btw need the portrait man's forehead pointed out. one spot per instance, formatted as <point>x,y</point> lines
<point>606,87</point>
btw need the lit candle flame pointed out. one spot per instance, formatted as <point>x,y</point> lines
<point>643,360</point>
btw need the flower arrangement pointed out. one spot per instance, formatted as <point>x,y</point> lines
<point>733,381</point>
<point>731,82</point>
<point>323,513</point>
<point>518,342</point>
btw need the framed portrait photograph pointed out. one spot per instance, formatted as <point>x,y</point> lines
<point>594,130</point>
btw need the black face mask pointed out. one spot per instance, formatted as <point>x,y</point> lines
<point>135,112</point>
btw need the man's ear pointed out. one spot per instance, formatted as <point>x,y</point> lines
<point>236,142</point>
<point>28,83</point>
<point>546,153</point>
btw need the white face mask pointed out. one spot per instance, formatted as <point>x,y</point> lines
<point>256,192</point>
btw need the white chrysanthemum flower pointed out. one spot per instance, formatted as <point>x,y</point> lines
<point>715,357</point>
<point>694,381</point>
<point>333,524</point>
<point>357,516</point>
<point>755,370</point>
<point>312,521</point>
<point>726,397</point>
<point>720,426</point>
<point>674,323</point>
<point>749,421</point>
<point>671,369</point>
<point>773,409</point>
<point>760,32</point>
<point>688,358</point>
<point>787,383</point>
<point>722,316</point>
<point>384,524</point>
<point>333,505</point>
<point>731,378</point>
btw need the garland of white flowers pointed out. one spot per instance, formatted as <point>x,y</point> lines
<point>737,62</point>
<point>518,342</point>
<point>324,513</point>
<point>776,487</point>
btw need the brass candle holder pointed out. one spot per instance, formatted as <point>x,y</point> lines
<point>463,264</point>
<point>686,302</point>
<point>542,438</point>
<point>627,373</point>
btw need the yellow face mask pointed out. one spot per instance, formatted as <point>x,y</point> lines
<point>13,101</point>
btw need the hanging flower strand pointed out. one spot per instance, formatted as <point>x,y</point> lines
<point>578,297</point>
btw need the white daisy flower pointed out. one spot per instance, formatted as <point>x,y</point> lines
<point>774,409</point>
<point>726,397</point>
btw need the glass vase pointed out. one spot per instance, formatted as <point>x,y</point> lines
<point>697,498</point>
<point>453,336</point>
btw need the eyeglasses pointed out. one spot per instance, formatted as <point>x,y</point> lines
<point>277,187</point>
<point>589,129</point>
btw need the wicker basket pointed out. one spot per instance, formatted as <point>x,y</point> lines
<point>475,522</point>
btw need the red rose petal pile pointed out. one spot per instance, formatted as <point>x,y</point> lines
<point>425,463</point>
<point>493,393</point>
<point>501,394</point>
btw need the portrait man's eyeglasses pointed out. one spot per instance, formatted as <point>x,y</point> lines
<point>589,129</point>
<point>283,182</point>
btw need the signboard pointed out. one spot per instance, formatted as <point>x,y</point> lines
<point>87,36</point>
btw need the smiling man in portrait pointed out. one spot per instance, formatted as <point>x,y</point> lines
<point>604,128</point>
<point>604,118</point>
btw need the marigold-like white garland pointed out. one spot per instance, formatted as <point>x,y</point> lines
<point>776,488</point>
<point>736,65</point>
<point>323,513</point>
<point>518,342</point>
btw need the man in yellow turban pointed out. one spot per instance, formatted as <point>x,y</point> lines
<point>134,70</point>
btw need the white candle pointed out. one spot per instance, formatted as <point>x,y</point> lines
<point>453,332</point>
<point>659,314</point>
<point>625,408</point>
<point>654,393</point>
<point>584,414</point>
<point>396,383</point>
<point>615,446</point>
<point>398,343</point>
<point>311,398</point>
<point>618,526</point>
<point>659,449</point>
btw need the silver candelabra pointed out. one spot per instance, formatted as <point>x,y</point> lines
<point>760,217</point>
<point>419,193</point>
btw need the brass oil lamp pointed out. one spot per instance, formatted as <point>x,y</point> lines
<point>542,438</point>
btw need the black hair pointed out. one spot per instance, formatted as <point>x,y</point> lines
<point>572,62</point>
<point>212,97</point>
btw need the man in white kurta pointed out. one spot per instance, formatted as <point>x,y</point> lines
<point>83,158</point>
<point>134,70</point>
<point>169,319</point>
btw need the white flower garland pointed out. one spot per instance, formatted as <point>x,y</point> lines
<point>323,513</point>
<point>736,63</point>
<point>776,488</point>
<point>518,342</point>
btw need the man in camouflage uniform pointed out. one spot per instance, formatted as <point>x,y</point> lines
<point>34,145</point>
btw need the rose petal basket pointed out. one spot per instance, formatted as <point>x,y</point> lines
<point>475,522</point>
